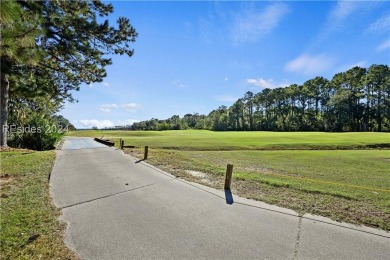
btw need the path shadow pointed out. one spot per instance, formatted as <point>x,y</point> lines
<point>229,197</point>
<point>140,161</point>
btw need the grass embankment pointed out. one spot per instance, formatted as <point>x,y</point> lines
<point>29,225</point>
<point>337,175</point>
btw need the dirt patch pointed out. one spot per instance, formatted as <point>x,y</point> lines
<point>6,181</point>
<point>10,149</point>
<point>197,174</point>
<point>6,178</point>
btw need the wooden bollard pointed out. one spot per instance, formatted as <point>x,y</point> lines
<point>146,152</point>
<point>122,144</point>
<point>228,177</point>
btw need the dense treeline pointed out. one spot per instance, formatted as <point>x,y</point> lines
<point>355,100</point>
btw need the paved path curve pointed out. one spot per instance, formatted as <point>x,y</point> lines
<point>118,208</point>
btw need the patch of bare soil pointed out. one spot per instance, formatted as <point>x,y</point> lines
<point>5,182</point>
<point>5,178</point>
<point>11,149</point>
<point>197,174</point>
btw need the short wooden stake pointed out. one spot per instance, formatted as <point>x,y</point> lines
<point>228,177</point>
<point>146,152</point>
<point>122,144</point>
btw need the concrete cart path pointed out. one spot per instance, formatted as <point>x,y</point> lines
<point>118,208</point>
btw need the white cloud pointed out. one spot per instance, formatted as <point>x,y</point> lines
<point>96,84</point>
<point>94,123</point>
<point>89,123</point>
<point>382,24</point>
<point>107,107</point>
<point>310,64</point>
<point>130,107</point>
<point>251,26</point>
<point>263,83</point>
<point>227,98</point>
<point>384,46</point>
<point>226,79</point>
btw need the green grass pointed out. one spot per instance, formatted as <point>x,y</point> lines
<point>216,141</point>
<point>29,225</point>
<point>344,176</point>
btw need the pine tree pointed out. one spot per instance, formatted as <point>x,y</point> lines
<point>17,45</point>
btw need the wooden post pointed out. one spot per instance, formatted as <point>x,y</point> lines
<point>122,144</point>
<point>228,177</point>
<point>146,152</point>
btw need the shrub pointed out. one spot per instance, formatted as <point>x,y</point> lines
<point>38,133</point>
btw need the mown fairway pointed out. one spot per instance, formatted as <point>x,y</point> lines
<point>344,176</point>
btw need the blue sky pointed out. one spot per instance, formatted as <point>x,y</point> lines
<point>195,56</point>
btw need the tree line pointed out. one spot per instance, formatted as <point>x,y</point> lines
<point>49,49</point>
<point>355,100</point>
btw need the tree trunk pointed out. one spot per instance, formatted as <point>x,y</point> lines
<point>4,89</point>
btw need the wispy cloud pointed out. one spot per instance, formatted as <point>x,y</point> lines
<point>250,26</point>
<point>206,28</point>
<point>380,25</point>
<point>342,10</point>
<point>384,46</point>
<point>264,83</point>
<point>337,19</point>
<point>130,107</point>
<point>107,107</point>
<point>310,64</point>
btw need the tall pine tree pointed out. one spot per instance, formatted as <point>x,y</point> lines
<point>73,43</point>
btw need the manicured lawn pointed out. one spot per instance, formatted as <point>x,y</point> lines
<point>344,176</point>
<point>29,225</point>
<point>209,140</point>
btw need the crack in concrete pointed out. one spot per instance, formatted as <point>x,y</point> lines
<point>114,194</point>
<point>296,248</point>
